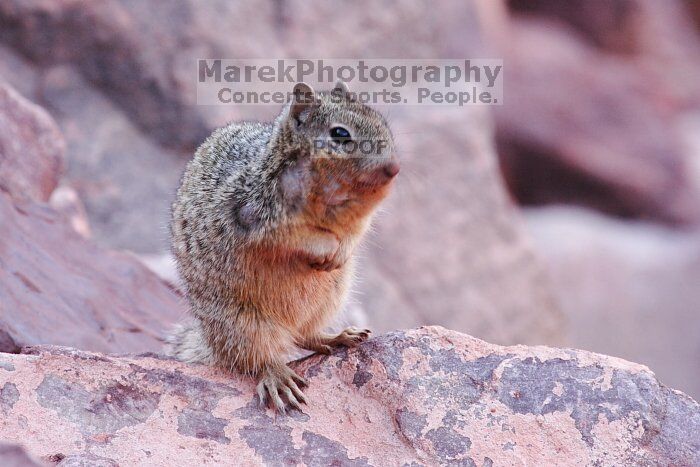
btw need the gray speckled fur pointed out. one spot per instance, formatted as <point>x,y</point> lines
<point>246,200</point>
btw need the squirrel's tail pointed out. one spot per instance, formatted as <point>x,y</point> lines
<point>187,343</point>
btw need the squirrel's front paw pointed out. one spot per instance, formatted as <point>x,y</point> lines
<point>328,263</point>
<point>350,337</point>
<point>324,252</point>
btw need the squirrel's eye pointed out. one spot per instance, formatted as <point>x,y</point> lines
<point>339,134</point>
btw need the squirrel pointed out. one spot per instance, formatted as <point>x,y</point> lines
<point>263,229</point>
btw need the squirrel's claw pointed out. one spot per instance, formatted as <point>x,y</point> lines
<point>274,393</point>
<point>299,380</point>
<point>262,395</point>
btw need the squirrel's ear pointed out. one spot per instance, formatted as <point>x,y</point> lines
<point>340,88</point>
<point>303,99</point>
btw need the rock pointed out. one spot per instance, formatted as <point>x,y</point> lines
<point>423,29</point>
<point>12,455</point>
<point>141,54</point>
<point>102,40</point>
<point>66,201</point>
<point>421,397</point>
<point>126,181</point>
<point>104,151</point>
<point>618,151</point>
<point>25,127</point>
<point>165,267</point>
<point>56,287</point>
<point>609,24</point>
<point>658,38</point>
<point>632,28</point>
<point>627,288</point>
<point>450,239</point>
<point>695,12</point>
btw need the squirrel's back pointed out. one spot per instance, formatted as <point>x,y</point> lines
<point>203,228</point>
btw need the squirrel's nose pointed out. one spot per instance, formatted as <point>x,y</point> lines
<point>391,169</point>
<point>382,174</point>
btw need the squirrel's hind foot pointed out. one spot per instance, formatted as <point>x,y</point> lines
<point>278,382</point>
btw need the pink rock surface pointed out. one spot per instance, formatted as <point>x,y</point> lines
<point>25,129</point>
<point>618,152</point>
<point>58,288</point>
<point>608,88</point>
<point>422,397</point>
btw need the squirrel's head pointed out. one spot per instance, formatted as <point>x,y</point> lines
<point>338,157</point>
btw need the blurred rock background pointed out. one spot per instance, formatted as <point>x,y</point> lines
<point>602,119</point>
